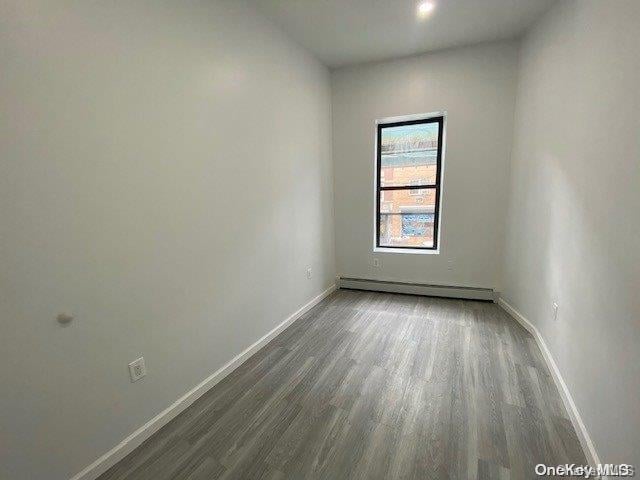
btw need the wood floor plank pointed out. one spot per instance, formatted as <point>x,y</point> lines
<point>373,385</point>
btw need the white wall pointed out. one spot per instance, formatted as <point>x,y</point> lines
<point>165,175</point>
<point>476,86</point>
<point>573,232</point>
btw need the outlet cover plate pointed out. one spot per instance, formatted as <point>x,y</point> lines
<point>137,369</point>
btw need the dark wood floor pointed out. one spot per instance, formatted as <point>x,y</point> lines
<point>374,386</point>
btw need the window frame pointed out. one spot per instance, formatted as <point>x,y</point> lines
<point>438,118</point>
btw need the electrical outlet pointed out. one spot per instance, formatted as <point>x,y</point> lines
<point>450,265</point>
<point>376,262</point>
<point>137,369</point>
<point>309,273</point>
<point>555,311</point>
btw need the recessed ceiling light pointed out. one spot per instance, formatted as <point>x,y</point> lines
<point>425,8</point>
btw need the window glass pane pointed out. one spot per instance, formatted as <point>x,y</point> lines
<point>407,217</point>
<point>408,155</point>
<point>407,230</point>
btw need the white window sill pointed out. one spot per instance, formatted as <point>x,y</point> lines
<point>411,251</point>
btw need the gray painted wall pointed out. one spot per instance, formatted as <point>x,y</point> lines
<point>573,231</point>
<point>166,177</point>
<point>476,86</point>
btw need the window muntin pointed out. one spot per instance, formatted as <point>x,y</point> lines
<point>408,183</point>
<point>419,191</point>
<point>402,201</point>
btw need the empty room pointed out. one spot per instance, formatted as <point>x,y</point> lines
<point>319,239</point>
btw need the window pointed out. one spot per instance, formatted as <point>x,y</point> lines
<point>408,183</point>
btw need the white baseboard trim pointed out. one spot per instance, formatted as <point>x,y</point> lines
<point>430,290</point>
<point>134,440</point>
<point>579,426</point>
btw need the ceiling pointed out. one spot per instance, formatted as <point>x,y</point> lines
<point>341,32</point>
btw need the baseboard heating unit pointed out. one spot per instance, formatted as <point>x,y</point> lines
<point>451,291</point>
